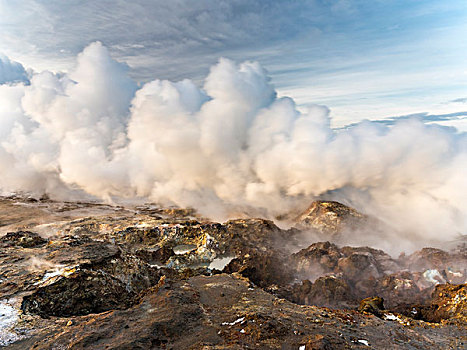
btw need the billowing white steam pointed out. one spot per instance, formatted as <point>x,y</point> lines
<point>231,146</point>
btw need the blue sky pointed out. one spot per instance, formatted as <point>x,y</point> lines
<point>362,59</point>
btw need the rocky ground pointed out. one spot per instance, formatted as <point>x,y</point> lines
<point>91,276</point>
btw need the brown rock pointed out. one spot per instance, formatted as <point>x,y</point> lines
<point>80,293</point>
<point>448,303</point>
<point>329,217</point>
<point>326,291</point>
<point>25,239</point>
<point>358,266</point>
<point>318,259</point>
<point>372,305</point>
<point>262,268</point>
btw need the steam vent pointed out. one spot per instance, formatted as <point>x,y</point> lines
<point>77,275</point>
<point>233,174</point>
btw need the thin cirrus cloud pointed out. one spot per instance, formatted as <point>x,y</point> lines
<point>364,60</point>
<point>460,100</point>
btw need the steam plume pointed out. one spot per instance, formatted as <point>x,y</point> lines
<point>230,146</point>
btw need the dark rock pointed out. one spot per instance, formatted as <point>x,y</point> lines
<point>331,291</point>
<point>401,288</point>
<point>262,268</point>
<point>448,303</point>
<point>155,255</point>
<point>358,266</point>
<point>318,259</point>
<point>124,280</point>
<point>80,293</point>
<point>224,312</point>
<point>84,251</point>
<point>25,239</point>
<point>326,291</point>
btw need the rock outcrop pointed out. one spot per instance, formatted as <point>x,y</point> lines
<point>330,218</point>
<point>92,276</point>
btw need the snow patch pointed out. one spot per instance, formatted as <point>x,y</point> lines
<point>363,341</point>
<point>240,320</point>
<point>8,318</point>
<point>220,263</point>
<point>391,317</point>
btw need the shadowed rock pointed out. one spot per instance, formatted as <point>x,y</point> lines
<point>25,239</point>
<point>448,304</point>
<point>81,293</point>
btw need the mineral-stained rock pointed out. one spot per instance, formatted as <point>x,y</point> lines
<point>225,312</point>
<point>330,217</point>
<point>438,266</point>
<point>448,303</point>
<point>80,293</point>
<point>149,278</point>
<point>369,271</point>
<point>373,305</point>
<point>25,239</point>
<point>318,259</point>
<point>401,288</point>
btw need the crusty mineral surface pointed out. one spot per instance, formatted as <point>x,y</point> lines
<point>93,276</point>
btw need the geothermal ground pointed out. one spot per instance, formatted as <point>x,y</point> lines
<point>93,276</point>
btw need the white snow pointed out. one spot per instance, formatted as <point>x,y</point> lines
<point>363,341</point>
<point>8,318</point>
<point>241,319</point>
<point>209,240</point>
<point>143,225</point>
<point>391,317</point>
<point>220,263</point>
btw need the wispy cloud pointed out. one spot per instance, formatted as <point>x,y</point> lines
<point>394,54</point>
<point>11,72</point>
<point>425,117</point>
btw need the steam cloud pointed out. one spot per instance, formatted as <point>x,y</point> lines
<point>230,147</point>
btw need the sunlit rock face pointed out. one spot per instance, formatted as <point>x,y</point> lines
<point>330,218</point>
<point>448,304</point>
<point>152,277</point>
